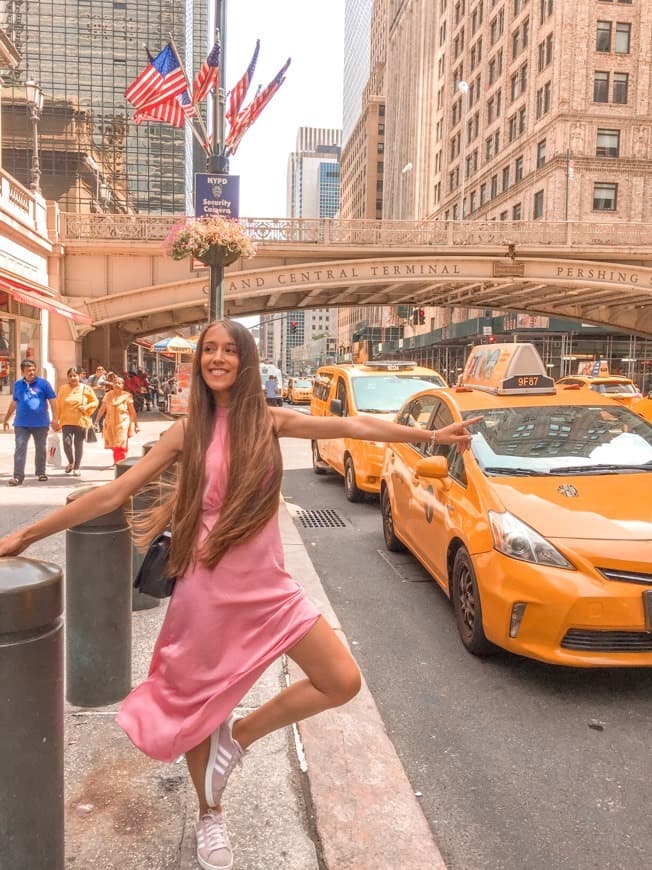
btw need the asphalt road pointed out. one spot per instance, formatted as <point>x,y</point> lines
<point>518,765</point>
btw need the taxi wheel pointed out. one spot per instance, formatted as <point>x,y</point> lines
<point>350,487</point>
<point>466,603</point>
<point>316,459</point>
<point>391,541</point>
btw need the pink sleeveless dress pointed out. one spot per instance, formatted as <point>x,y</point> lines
<point>224,626</point>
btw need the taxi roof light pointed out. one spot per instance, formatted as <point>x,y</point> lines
<point>511,369</point>
<point>389,364</point>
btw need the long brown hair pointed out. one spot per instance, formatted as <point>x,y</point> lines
<point>255,468</point>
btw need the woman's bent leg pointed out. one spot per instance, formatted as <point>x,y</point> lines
<point>333,679</point>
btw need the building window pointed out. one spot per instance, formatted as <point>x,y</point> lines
<point>494,186</point>
<point>621,82</point>
<point>473,202</point>
<point>601,87</point>
<point>545,52</point>
<point>546,8</point>
<point>504,215</point>
<point>537,211</point>
<point>518,169</point>
<point>623,33</point>
<point>496,27</point>
<point>483,194</point>
<point>608,143</point>
<point>541,153</point>
<point>516,212</point>
<point>605,196</point>
<point>505,177</point>
<point>603,36</point>
<point>511,130</point>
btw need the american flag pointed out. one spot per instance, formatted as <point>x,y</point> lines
<point>239,92</point>
<point>162,80</point>
<point>252,112</point>
<point>174,111</point>
<point>208,76</point>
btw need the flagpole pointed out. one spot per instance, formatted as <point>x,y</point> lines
<point>218,162</point>
<point>203,144</point>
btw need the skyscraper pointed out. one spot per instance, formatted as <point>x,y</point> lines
<point>357,28</point>
<point>313,191</point>
<point>83,54</point>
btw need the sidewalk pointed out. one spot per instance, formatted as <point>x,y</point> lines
<point>330,794</point>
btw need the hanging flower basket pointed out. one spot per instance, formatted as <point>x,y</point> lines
<point>215,241</point>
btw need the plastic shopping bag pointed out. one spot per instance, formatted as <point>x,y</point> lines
<point>54,450</point>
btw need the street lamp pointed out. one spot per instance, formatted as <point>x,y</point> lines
<point>34,98</point>
<point>463,87</point>
<point>404,172</point>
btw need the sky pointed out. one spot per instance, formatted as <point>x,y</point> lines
<point>311,32</point>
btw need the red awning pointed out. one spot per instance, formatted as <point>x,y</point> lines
<point>29,295</point>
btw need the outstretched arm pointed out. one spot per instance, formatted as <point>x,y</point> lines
<point>367,428</point>
<point>102,499</point>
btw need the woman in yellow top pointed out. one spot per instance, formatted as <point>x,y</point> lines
<point>75,404</point>
<point>121,420</point>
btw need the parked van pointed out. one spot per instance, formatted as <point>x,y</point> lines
<point>377,388</point>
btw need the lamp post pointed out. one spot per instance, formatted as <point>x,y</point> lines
<point>34,98</point>
<point>463,87</point>
<point>404,172</point>
<point>217,161</point>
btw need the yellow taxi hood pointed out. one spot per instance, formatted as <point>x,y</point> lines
<point>603,507</point>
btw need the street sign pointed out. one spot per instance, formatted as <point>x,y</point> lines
<point>217,195</point>
<point>487,330</point>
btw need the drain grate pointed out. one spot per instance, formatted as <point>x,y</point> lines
<point>320,519</point>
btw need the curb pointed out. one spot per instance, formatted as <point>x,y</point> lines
<point>366,812</point>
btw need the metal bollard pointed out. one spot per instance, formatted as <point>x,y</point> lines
<point>98,609</point>
<point>31,714</point>
<point>140,502</point>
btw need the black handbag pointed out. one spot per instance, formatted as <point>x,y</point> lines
<point>152,578</point>
<point>91,435</point>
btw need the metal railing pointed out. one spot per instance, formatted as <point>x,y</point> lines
<point>387,233</point>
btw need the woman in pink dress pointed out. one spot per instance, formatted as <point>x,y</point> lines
<point>234,608</point>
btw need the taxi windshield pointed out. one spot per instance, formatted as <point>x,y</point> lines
<point>302,384</point>
<point>386,393</point>
<point>549,438</point>
<point>621,388</point>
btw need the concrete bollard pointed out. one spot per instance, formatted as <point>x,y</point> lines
<point>98,609</point>
<point>31,714</point>
<point>142,501</point>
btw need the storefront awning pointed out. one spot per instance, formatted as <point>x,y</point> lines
<point>29,295</point>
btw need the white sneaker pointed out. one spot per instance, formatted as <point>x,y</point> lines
<point>213,846</point>
<point>225,752</point>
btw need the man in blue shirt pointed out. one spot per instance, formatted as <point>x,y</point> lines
<point>30,401</point>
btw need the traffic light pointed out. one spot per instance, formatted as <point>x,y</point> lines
<point>294,325</point>
<point>491,339</point>
<point>422,317</point>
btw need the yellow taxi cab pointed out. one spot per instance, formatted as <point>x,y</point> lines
<point>375,388</point>
<point>299,391</point>
<point>616,387</point>
<point>644,407</point>
<point>541,533</point>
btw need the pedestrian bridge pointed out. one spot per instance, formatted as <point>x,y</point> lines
<point>115,270</point>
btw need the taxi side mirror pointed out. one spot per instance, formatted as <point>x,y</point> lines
<point>336,407</point>
<point>432,466</point>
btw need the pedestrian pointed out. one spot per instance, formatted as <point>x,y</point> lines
<point>154,390</point>
<point>76,403</point>
<point>143,388</point>
<point>97,381</point>
<point>30,399</point>
<point>270,390</point>
<point>120,419</point>
<point>234,608</point>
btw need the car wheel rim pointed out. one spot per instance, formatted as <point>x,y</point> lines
<point>388,524</point>
<point>349,477</point>
<point>315,455</point>
<point>466,599</point>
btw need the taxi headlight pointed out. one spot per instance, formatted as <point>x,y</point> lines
<point>518,541</point>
